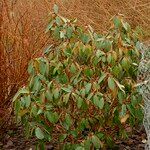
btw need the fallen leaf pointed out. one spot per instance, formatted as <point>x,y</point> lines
<point>124,119</point>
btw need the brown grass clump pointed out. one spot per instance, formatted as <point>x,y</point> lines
<point>99,12</point>
<point>22,26</point>
<point>22,38</point>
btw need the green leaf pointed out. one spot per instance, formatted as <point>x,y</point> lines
<point>87,144</point>
<point>55,9</point>
<point>68,121</point>
<point>101,135</point>
<point>102,78</point>
<point>34,110</point>
<point>121,97</point>
<point>17,106</point>
<point>80,148</point>
<point>36,84</point>
<point>88,72</point>
<point>39,133</point>
<point>117,22</point>
<point>28,101</point>
<point>31,70</point>
<point>49,26</point>
<point>57,32</point>
<point>68,90</point>
<point>88,88</point>
<point>52,117</point>
<point>58,21</point>
<point>90,96</point>
<point>85,38</point>
<point>125,63</point>
<point>123,110</point>
<point>131,109</point>
<point>49,95</point>
<point>117,71</point>
<point>73,68</point>
<point>42,67</point>
<point>66,98</point>
<point>98,101</point>
<point>134,101</point>
<point>63,78</point>
<point>99,53</point>
<point>20,92</point>
<point>109,58</point>
<point>62,137</point>
<point>96,142</point>
<point>69,32</point>
<point>79,102</point>
<point>40,111</point>
<point>74,133</point>
<point>56,93</point>
<point>111,83</point>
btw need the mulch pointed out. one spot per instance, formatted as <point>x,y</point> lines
<point>13,139</point>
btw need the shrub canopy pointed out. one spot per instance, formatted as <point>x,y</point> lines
<point>81,93</point>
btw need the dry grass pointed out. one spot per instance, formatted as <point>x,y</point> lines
<point>22,38</point>
<point>99,12</point>
<point>22,24</point>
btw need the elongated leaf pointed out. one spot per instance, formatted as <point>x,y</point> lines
<point>123,110</point>
<point>73,68</point>
<point>88,88</point>
<point>90,96</point>
<point>62,137</point>
<point>34,110</point>
<point>39,133</point>
<point>131,109</point>
<point>56,93</point>
<point>96,142</point>
<point>68,121</point>
<point>66,98</point>
<point>68,90</point>
<point>27,101</point>
<point>69,32</point>
<point>21,91</point>
<point>80,148</point>
<point>117,22</point>
<point>17,106</point>
<point>87,144</point>
<point>49,95</point>
<point>102,78</point>
<point>98,101</point>
<point>58,21</point>
<point>111,83</point>
<point>79,102</point>
<point>52,117</point>
<point>49,26</point>
<point>109,58</point>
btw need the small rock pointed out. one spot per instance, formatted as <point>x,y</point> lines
<point>144,141</point>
